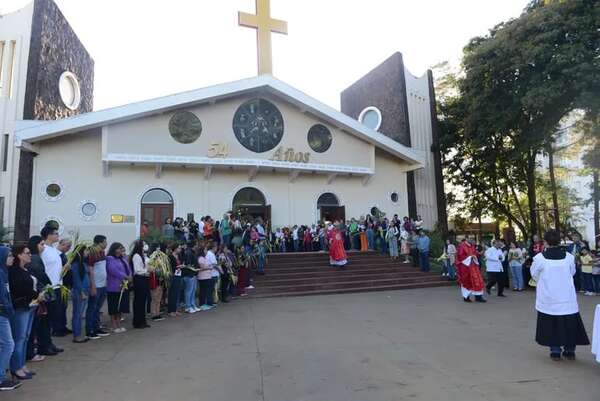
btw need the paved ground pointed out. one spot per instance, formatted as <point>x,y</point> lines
<point>406,345</point>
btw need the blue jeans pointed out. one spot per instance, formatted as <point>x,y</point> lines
<point>450,269</point>
<point>21,328</point>
<point>569,349</point>
<point>517,276</point>
<point>261,264</point>
<point>80,302</point>
<point>211,291</point>
<point>424,260</point>
<point>596,280</point>
<point>190,292</point>
<point>174,293</point>
<point>588,282</point>
<point>7,346</point>
<point>92,316</point>
<point>227,240</point>
<point>371,238</point>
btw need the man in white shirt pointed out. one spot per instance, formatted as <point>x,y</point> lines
<point>53,267</point>
<point>494,256</point>
<point>295,237</point>
<point>201,228</point>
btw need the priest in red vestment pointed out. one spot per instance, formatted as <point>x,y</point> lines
<point>467,269</point>
<point>337,253</point>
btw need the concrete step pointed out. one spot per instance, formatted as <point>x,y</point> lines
<point>331,272</point>
<point>442,283</point>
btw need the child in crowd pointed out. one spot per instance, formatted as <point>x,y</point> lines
<point>587,262</point>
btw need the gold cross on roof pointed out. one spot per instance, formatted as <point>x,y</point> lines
<point>264,25</point>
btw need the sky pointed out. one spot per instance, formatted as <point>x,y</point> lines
<point>149,48</point>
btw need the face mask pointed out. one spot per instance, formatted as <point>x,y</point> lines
<point>146,247</point>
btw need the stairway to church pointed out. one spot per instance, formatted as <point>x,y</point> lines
<point>300,274</point>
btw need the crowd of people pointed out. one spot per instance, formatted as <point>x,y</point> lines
<point>39,279</point>
<point>195,266</point>
<point>557,268</point>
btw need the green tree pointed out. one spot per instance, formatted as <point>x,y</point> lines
<point>519,82</point>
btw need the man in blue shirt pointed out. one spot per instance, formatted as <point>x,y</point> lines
<point>423,243</point>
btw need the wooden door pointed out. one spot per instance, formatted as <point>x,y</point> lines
<point>156,214</point>
<point>340,213</point>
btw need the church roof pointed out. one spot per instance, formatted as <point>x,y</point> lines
<point>36,131</point>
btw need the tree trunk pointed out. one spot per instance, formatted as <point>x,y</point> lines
<point>596,195</point>
<point>531,194</point>
<point>553,188</point>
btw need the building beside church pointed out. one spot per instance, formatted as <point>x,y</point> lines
<point>258,146</point>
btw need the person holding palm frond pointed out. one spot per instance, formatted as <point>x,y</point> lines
<point>118,280</point>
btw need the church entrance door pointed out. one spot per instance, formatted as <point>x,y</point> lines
<point>329,208</point>
<point>251,204</point>
<point>157,206</point>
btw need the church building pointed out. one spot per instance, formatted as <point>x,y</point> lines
<point>256,146</point>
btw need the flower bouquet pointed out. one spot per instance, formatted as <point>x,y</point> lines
<point>159,264</point>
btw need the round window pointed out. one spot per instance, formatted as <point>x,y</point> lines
<point>69,90</point>
<point>258,125</point>
<point>319,138</point>
<point>185,127</point>
<point>371,117</point>
<point>53,190</point>
<point>394,197</point>
<point>88,209</point>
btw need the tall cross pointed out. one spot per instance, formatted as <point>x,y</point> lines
<point>264,25</point>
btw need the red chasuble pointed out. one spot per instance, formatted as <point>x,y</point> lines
<point>467,267</point>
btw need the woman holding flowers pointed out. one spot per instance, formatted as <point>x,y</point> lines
<point>23,292</point>
<point>45,346</point>
<point>118,279</point>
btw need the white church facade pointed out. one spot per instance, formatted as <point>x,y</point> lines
<point>256,146</point>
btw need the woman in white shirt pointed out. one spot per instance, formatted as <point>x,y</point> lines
<point>559,323</point>
<point>141,284</point>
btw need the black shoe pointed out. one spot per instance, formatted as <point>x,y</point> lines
<point>555,357</point>
<point>48,353</point>
<point>158,318</point>
<point>93,336</point>
<point>20,378</point>
<point>7,385</point>
<point>569,356</point>
<point>467,299</point>
<point>58,350</point>
<point>102,333</point>
<point>146,326</point>
<point>68,331</point>
<point>81,341</point>
<point>479,298</point>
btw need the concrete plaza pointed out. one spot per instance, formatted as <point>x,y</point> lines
<point>406,345</point>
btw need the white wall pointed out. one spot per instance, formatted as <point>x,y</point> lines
<point>419,113</point>
<point>16,27</point>
<point>75,162</point>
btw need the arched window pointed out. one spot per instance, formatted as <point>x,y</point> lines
<point>327,199</point>
<point>157,196</point>
<point>248,197</point>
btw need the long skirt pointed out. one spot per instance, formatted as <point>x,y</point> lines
<point>393,242</point>
<point>364,245</point>
<point>560,330</point>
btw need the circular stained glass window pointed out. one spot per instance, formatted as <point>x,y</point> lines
<point>185,127</point>
<point>394,197</point>
<point>53,190</point>
<point>88,209</point>
<point>319,138</point>
<point>258,125</point>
